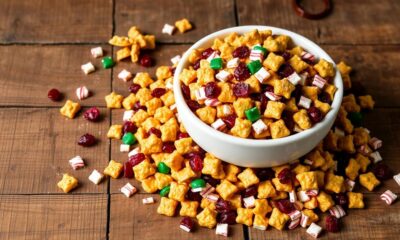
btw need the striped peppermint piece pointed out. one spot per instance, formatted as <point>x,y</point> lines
<point>175,60</point>
<point>376,156</point>
<point>219,124</point>
<point>212,56</point>
<point>314,230</point>
<point>256,54</point>
<point>294,223</point>
<point>87,68</point>
<point>292,196</point>
<point>128,190</point>
<point>304,102</point>
<point>375,143</point>
<point>249,202</point>
<point>200,94</point>
<point>294,78</point>
<point>307,56</point>
<point>168,29</point>
<point>319,82</point>
<point>222,229</point>
<point>127,115</point>
<point>259,126</point>
<point>134,151</point>
<point>397,178</point>
<point>389,197</point>
<point>272,96</point>
<point>296,214</point>
<point>149,200</point>
<point>262,75</point>
<point>304,220</point>
<point>349,184</point>
<point>303,197</point>
<point>125,75</point>
<point>96,52</point>
<point>82,92</point>
<point>312,193</point>
<point>223,76</point>
<point>212,197</point>
<point>124,148</point>
<point>207,190</point>
<point>212,102</point>
<point>77,163</point>
<point>337,211</point>
<point>96,177</point>
<point>234,62</point>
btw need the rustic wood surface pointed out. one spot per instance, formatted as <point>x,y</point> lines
<point>43,44</point>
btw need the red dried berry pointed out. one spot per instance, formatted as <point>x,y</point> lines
<point>87,140</point>
<point>286,55</point>
<point>265,174</point>
<point>222,206</point>
<point>137,106</point>
<point>196,64</point>
<point>212,181</point>
<point>285,70</point>
<point>229,121</point>
<point>128,170</point>
<point>324,97</point>
<point>212,90</point>
<point>134,88</point>
<point>268,88</point>
<point>241,72</point>
<point>54,95</point>
<point>332,224</point>
<point>227,217</point>
<point>241,52</point>
<point>129,127</point>
<point>382,171</point>
<point>146,61</point>
<point>92,114</point>
<point>158,92</point>
<point>315,114</point>
<point>241,89</point>
<point>287,117</point>
<point>285,206</point>
<point>206,53</point>
<point>136,159</point>
<point>341,199</point>
<point>187,222</point>
<point>193,105</point>
<point>155,131</point>
<point>185,91</point>
<point>285,176</point>
<point>168,147</point>
<point>250,191</point>
<point>193,196</point>
<point>196,163</point>
<point>297,92</point>
<point>182,135</point>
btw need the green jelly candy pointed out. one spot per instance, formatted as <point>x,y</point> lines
<point>355,118</point>
<point>107,62</point>
<point>253,114</point>
<point>254,66</point>
<point>216,63</point>
<point>164,192</point>
<point>163,168</point>
<point>128,138</point>
<point>264,50</point>
<point>198,183</point>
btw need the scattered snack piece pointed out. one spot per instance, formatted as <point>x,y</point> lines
<point>113,169</point>
<point>149,200</point>
<point>125,75</point>
<point>96,177</point>
<point>183,25</point>
<point>70,109</point>
<point>96,52</point>
<point>128,190</point>
<point>222,229</point>
<point>314,230</point>
<point>187,224</point>
<point>82,92</point>
<point>168,29</point>
<point>77,163</point>
<point>114,100</point>
<point>88,68</point>
<point>355,200</point>
<point>369,181</point>
<point>389,197</point>
<point>67,183</point>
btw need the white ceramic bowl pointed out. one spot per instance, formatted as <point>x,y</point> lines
<point>250,152</point>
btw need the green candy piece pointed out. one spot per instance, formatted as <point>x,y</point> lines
<point>198,183</point>
<point>163,168</point>
<point>107,62</point>
<point>264,50</point>
<point>355,118</point>
<point>253,114</point>
<point>164,192</point>
<point>128,138</point>
<point>254,66</point>
<point>216,63</point>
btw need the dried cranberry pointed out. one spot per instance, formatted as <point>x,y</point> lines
<point>265,174</point>
<point>212,181</point>
<point>382,171</point>
<point>136,159</point>
<point>332,224</point>
<point>134,88</point>
<point>187,222</point>
<point>285,176</point>
<point>185,91</point>
<point>241,89</point>
<point>212,90</point>
<point>193,196</point>
<point>286,55</point>
<point>92,114</point>
<point>158,92</point>
<point>241,72</point>
<point>297,92</point>
<point>241,52</point>
<point>193,105</point>
<point>324,97</point>
<point>182,135</point>
<point>262,99</point>
<point>227,217</point>
<point>87,140</point>
<point>222,206</point>
<point>168,147</point>
<point>128,170</point>
<point>315,114</point>
<point>268,88</point>
<point>196,64</point>
<point>287,117</point>
<point>250,191</point>
<point>146,61</point>
<point>285,70</point>
<point>196,163</point>
<point>54,95</point>
<point>137,106</point>
<point>285,206</point>
<point>229,121</point>
<point>129,127</point>
<point>206,53</point>
<point>155,131</point>
<point>341,199</point>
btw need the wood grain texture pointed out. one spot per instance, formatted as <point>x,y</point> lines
<point>130,219</point>
<point>36,145</point>
<point>351,22</point>
<point>53,217</point>
<point>26,83</point>
<point>62,21</point>
<point>150,16</point>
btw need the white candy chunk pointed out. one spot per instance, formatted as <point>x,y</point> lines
<point>223,76</point>
<point>227,110</point>
<point>272,96</point>
<point>305,102</point>
<point>175,60</point>
<point>82,92</point>
<point>294,78</point>
<point>304,220</point>
<point>295,215</point>
<point>233,63</point>
<point>222,229</point>
<point>128,190</point>
<point>199,189</point>
<point>200,94</point>
<point>308,161</point>
<point>262,228</point>
<point>168,29</point>
<point>389,197</point>
<point>292,196</point>
<point>376,156</point>
<point>184,228</point>
<point>249,202</point>
<point>212,56</point>
<point>96,52</point>
<point>87,68</point>
<point>148,200</point>
<point>314,230</point>
<point>397,178</point>
<point>127,115</point>
<point>259,126</point>
<point>213,102</point>
<point>212,197</point>
<point>134,152</point>
<point>124,148</point>
<point>77,163</point>
<point>262,75</point>
<point>219,124</point>
<point>125,75</point>
<point>319,82</point>
<point>349,184</point>
<point>375,143</point>
<point>303,197</point>
<point>96,177</point>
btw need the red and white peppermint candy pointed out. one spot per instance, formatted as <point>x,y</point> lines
<point>200,94</point>
<point>148,200</point>
<point>249,202</point>
<point>262,75</point>
<point>234,62</point>
<point>294,223</point>
<point>389,197</point>
<point>337,211</point>
<point>96,52</point>
<point>212,197</point>
<point>292,196</point>
<point>96,177</point>
<point>349,184</point>
<point>304,102</point>
<point>207,190</point>
<point>223,76</point>
<point>296,214</point>
<point>318,81</point>
<point>307,56</point>
<point>259,126</point>
<point>314,230</point>
<point>82,92</point>
<point>375,143</point>
<point>312,193</point>
<point>77,163</point>
<point>128,190</point>
<point>212,102</point>
<point>222,229</point>
<point>87,68</point>
<point>256,54</point>
<point>376,156</point>
<point>304,220</point>
<point>294,78</point>
<point>272,96</point>
<point>125,75</point>
<point>303,197</point>
<point>397,178</point>
<point>219,124</point>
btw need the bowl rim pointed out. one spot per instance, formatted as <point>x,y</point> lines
<point>184,109</point>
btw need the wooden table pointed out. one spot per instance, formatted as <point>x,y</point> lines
<point>43,44</point>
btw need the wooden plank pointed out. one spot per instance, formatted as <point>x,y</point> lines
<point>349,23</point>
<point>61,21</point>
<point>150,16</point>
<point>53,216</point>
<point>130,219</point>
<point>36,145</point>
<point>27,84</point>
